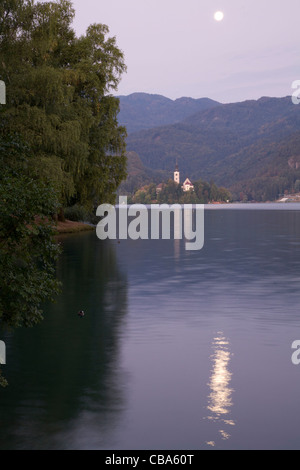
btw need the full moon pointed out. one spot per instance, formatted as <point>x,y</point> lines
<point>219,15</point>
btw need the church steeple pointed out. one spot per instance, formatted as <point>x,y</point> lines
<point>176,174</point>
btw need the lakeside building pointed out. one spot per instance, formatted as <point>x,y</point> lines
<point>159,187</point>
<point>187,185</point>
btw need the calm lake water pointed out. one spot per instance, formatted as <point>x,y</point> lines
<point>178,349</point>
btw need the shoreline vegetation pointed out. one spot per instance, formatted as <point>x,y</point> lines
<point>70,226</point>
<point>73,226</point>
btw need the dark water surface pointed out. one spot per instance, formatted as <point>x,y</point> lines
<point>178,349</point>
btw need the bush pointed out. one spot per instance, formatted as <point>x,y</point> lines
<point>76,213</point>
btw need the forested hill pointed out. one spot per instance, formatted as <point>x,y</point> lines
<point>232,144</point>
<point>143,111</point>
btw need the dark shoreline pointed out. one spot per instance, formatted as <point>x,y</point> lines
<point>70,226</point>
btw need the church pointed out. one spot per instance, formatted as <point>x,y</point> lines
<point>187,185</point>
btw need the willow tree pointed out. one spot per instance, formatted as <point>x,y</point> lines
<point>59,98</point>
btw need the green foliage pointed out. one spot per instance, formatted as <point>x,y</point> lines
<point>58,98</point>
<point>297,186</point>
<point>76,213</point>
<point>3,381</point>
<point>138,175</point>
<point>27,249</point>
<point>27,274</point>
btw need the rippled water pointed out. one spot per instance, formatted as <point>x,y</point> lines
<point>178,349</point>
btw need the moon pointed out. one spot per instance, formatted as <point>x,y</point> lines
<point>218,16</point>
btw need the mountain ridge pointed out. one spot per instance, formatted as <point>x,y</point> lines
<point>140,111</point>
<point>233,144</point>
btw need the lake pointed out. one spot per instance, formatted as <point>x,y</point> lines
<point>177,350</point>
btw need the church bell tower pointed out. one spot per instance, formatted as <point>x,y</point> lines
<point>176,174</point>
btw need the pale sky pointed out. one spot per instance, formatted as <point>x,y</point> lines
<point>175,47</point>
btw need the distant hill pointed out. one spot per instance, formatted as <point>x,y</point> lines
<point>139,175</point>
<point>234,144</point>
<point>143,111</point>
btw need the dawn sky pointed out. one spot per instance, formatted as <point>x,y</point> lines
<point>176,48</point>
